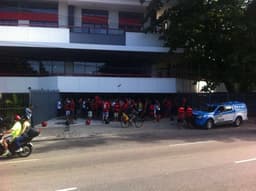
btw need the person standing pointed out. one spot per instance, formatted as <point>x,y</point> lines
<point>106,109</point>
<point>157,109</point>
<point>116,110</point>
<point>67,108</point>
<point>59,108</point>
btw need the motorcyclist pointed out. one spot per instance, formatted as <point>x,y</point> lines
<point>28,113</point>
<point>26,125</point>
<point>11,134</point>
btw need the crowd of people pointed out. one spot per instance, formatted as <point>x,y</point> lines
<point>109,109</point>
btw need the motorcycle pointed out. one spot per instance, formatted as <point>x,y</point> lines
<point>26,145</point>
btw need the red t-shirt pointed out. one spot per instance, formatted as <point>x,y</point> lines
<point>116,107</point>
<point>106,106</point>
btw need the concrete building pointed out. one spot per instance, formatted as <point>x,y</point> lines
<point>82,46</point>
<point>57,48</point>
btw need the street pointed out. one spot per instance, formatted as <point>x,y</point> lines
<point>181,159</point>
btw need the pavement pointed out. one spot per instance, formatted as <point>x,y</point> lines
<point>56,129</point>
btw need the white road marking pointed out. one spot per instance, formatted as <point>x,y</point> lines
<point>20,161</point>
<point>193,143</point>
<point>247,160</point>
<point>68,189</point>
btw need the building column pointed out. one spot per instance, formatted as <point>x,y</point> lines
<point>63,14</point>
<point>78,17</point>
<point>113,19</point>
<point>147,23</point>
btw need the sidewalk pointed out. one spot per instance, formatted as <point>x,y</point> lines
<point>55,129</point>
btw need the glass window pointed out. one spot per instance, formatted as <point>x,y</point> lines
<point>39,14</point>
<point>91,68</point>
<point>46,67</point>
<point>87,67</point>
<point>228,108</point>
<point>35,66</point>
<point>79,67</point>
<point>43,24</point>
<point>8,22</point>
<point>95,21</point>
<point>221,109</point>
<point>130,21</point>
<point>58,67</point>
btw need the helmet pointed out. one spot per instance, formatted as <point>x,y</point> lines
<point>28,113</point>
<point>17,118</point>
<point>44,123</point>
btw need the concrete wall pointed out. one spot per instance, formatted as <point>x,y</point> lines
<point>117,85</point>
<point>60,38</point>
<point>88,84</point>
<point>33,34</point>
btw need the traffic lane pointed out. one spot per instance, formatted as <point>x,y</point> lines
<point>176,166</point>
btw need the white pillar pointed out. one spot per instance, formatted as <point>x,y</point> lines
<point>63,14</point>
<point>113,19</point>
<point>146,24</point>
<point>78,17</point>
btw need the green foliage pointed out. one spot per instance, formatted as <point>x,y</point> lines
<point>11,104</point>
<point>218,38</point>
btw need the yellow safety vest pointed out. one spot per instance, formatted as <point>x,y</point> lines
<point>16,129</point>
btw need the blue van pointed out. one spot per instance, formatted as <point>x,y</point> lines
<point>233,112</point>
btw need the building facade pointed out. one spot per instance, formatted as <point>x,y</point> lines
<point>82,46</point>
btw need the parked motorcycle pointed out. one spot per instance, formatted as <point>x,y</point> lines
<point>26,145</point>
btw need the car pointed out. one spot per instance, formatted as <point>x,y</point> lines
<point>232,112</point>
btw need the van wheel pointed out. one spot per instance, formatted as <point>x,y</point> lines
<point>209,124</point>
<point>238,121</point>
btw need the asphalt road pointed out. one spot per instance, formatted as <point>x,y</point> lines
<point>181,159</point>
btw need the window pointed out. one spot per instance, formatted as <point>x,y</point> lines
<point>45,67</point>
<point>228,108</point>
<point>57,67</point>
<point>79,67</point>
<point>87,67</point>
<point>221,109</point>
<point>37,14</point>
<point>95,21</point>
<point>130,21</point>
<point>35,66</point>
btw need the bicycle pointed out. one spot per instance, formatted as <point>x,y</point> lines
<point>134,120</point>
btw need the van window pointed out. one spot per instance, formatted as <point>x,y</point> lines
<point>221,109</point>
<point>228,108</point>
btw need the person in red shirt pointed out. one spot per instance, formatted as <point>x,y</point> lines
<point>188,116</point>
<point>151,110</point>
<point>106,109</point>
<point>116,110</point>
<point>98,103</point>
<point>181,117</point>
<point>67,108</point>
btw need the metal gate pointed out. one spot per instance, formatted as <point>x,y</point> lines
<point>44,104</point>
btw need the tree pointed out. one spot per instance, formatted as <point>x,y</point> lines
<point>217,36</point>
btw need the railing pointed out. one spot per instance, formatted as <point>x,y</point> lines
<point>97,35</point>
